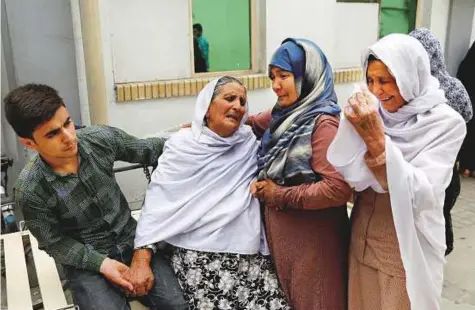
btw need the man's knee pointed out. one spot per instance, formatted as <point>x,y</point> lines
<point>166,291</point>
<point>92,291</point>
<point>163,296</point>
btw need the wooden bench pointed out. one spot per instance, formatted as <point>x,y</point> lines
<point>18,287</point>
<point>17,284</point>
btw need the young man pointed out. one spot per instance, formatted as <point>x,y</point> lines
<point>74,207</point>
<point>202,43</point>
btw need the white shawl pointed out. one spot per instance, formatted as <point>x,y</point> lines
<point>199,196</point>
<point>422,141</point>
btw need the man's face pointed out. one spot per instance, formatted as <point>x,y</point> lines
<point>55,139</point>
<point>196,32</point>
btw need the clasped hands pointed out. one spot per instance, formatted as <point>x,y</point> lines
<point>136,280</point>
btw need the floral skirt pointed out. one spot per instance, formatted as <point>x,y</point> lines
<point>227,281</point>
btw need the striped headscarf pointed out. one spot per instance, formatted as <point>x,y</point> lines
<point>286,147</point>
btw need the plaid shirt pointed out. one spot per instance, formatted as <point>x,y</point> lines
<point>79,218</point>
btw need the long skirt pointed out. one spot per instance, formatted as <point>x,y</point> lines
<point>227,281</point>
<point>372,289</point>
<point>310,252</point>
<point>377,278</point>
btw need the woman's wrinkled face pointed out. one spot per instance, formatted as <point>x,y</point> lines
<point>383,85</point>
<point>283,84</point>
<point>225,113</point>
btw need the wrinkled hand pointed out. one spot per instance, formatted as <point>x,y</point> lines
<point>140,275</point>
<point>264,190</point>
<point>114,271</point>
<point>362,113</point>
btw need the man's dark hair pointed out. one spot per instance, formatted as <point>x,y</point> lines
<point>198,27</point>
<point>29,106</point>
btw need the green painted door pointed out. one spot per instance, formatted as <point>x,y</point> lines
<point>397,16</point>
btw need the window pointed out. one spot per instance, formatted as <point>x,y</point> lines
<point>153,53</point>
<point>359,1</point>
<point>222,39</point>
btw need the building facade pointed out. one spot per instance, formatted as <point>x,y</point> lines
<point>131,64</point>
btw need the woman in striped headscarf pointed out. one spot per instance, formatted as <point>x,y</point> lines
<point>303,195</point>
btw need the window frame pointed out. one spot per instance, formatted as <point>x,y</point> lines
<point>358,1</point>
<point>257,48</point>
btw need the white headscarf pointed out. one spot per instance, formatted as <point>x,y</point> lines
<point>422,141</point>
<point>199,196</point>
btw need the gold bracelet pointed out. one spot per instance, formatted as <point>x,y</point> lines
<point>374,162</point>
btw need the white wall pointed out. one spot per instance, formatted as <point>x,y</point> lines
<point>439,18</point>
<point>43,49</point>
<point>150,39</point>
<point>10,145</point>
<point>459,33</point>
<point>310,19</point>
<point>353,35</point>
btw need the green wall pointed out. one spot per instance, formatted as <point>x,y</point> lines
<point>226,26</point>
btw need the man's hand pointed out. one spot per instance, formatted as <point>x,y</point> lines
<point>114,271</point>
<point>140,274</point>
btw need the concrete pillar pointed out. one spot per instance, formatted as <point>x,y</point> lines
<point>94,63</point>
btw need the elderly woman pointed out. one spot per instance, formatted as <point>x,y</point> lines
<point>398,152</point>
<point>199,201</point>
<point>459,100</point>
<point>304,196</point>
